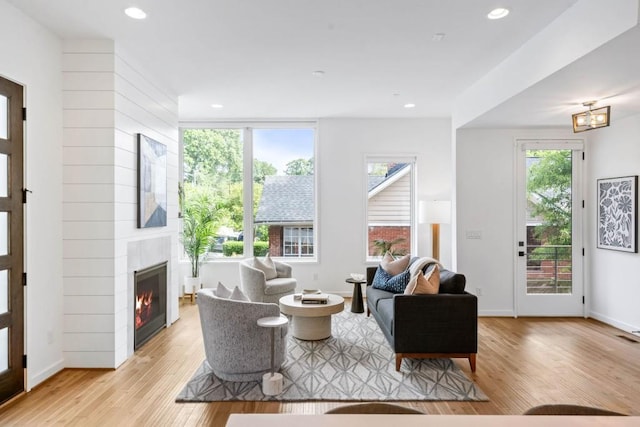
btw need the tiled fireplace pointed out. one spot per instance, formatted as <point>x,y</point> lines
<point>145,256</point>
<point>150,298</point>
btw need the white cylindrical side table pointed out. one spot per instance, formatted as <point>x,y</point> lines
<point>272,381</point>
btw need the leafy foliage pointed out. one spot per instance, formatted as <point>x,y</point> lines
<point>383,246</point>
<point>198,230</point>
<point>232,248</point>
<point>299,167</point>
<point>549,194</point>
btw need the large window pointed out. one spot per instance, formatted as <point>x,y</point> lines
<point>260,184</point>
<point>390,206</point>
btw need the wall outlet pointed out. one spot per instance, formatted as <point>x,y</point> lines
<point>474,234</point>
<point>315,276</point>
<point>478,292</point>
<point>50,336</point>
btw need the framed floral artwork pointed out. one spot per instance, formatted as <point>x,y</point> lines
<point>618,213</point>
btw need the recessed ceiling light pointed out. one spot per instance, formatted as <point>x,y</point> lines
<point>217,105</point>
<point>409,105</point>
<point>437,37</point>
<point>135,13</point>
<point>498,13</point>
<point>318,73</point>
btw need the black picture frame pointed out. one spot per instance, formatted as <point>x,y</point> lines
<point>618,213</point>
<point>152,182</point>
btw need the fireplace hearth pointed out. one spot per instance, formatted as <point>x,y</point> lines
<point>150,302</point>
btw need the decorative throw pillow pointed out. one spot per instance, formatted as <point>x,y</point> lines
<point>266,266</point>
<point>387,282</point>
<point>395,266</point>
<point>238,295</point>
<point>424,284</point>
<point>222,291</point>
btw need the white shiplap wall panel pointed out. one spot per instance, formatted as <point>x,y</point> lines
<point>87,230</point>
<point>89,359</point>
<point>84,174</point>
<point>88,267</point>
<point>158,97</point>
<point>133,125</point>
<point>88,211</point>
<point>88,248</point>
<point>79,118</point>
<point>88,137</point>
<point>99,193</point>
<point>126,159</point>
<point>81,80</point>
<point>88,62</point>
<point>88,155</point>
<point>89,342</point>
<point>107,102</point>
<point>88,304</point>
<point>123,175</point>
<point>78,323</point>
<point>88,286</point>
<point>125,194</point>
<point>89,99</point>
<point>126,212</point>
<point>89,46</point>
<point>137,99</point>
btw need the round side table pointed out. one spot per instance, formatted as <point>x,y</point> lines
<point>272,381</point>
<point>357,306</point>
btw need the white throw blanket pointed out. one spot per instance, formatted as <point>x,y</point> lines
<point>421,263</point>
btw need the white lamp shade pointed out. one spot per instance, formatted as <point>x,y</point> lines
<point>434,211</point>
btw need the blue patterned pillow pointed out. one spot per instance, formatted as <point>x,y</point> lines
<point>387,282</point>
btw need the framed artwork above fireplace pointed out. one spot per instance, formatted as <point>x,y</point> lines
<point>152,183</point>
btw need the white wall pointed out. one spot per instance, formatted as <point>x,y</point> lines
<point>342,146</point>
<point>107,101</point>
<point>485,203</point>
<point>26,51</point>
<point>614,275</point>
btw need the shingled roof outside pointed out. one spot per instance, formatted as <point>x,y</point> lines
<point>286,199</point>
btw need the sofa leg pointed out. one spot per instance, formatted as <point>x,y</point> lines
<point>472,361</point>
<point>398,361</point>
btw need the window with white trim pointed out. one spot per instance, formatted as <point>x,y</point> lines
<point>258,179</point>
<point>390,206</point>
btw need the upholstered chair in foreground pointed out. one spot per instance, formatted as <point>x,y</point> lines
<point>564,409</point>
<point>266,287</point>
<point>373,408</point>
<point>237,349</point>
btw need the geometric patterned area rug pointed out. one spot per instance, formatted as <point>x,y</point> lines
<point>354,364</point>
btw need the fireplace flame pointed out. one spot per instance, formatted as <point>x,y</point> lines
<point>143,308</point>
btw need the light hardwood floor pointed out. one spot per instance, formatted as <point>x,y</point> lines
<point>521,363</point>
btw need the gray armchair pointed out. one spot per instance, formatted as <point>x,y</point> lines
<point>237,349</point>
<point>258,288</point>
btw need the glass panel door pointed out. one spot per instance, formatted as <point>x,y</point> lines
<point>11,241</point>
<point>549,261</point>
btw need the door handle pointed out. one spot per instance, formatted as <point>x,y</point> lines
<point>521,253</point>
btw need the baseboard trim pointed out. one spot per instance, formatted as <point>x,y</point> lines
<point>613,322</point>
<point>496,313</point>
<point>43,375</point>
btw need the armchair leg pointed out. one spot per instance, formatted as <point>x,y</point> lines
<point>472,361</point>
<point>398,361</point>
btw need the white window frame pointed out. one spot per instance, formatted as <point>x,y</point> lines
<point>391,158</point>
<point>247,128</point>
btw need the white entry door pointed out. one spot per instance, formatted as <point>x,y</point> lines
<point>549,250</point>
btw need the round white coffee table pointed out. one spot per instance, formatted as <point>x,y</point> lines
<point>311,322</point>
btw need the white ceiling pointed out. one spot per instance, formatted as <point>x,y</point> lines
<point>257,57</point>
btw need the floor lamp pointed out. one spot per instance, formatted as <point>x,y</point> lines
<point>435,212</point>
